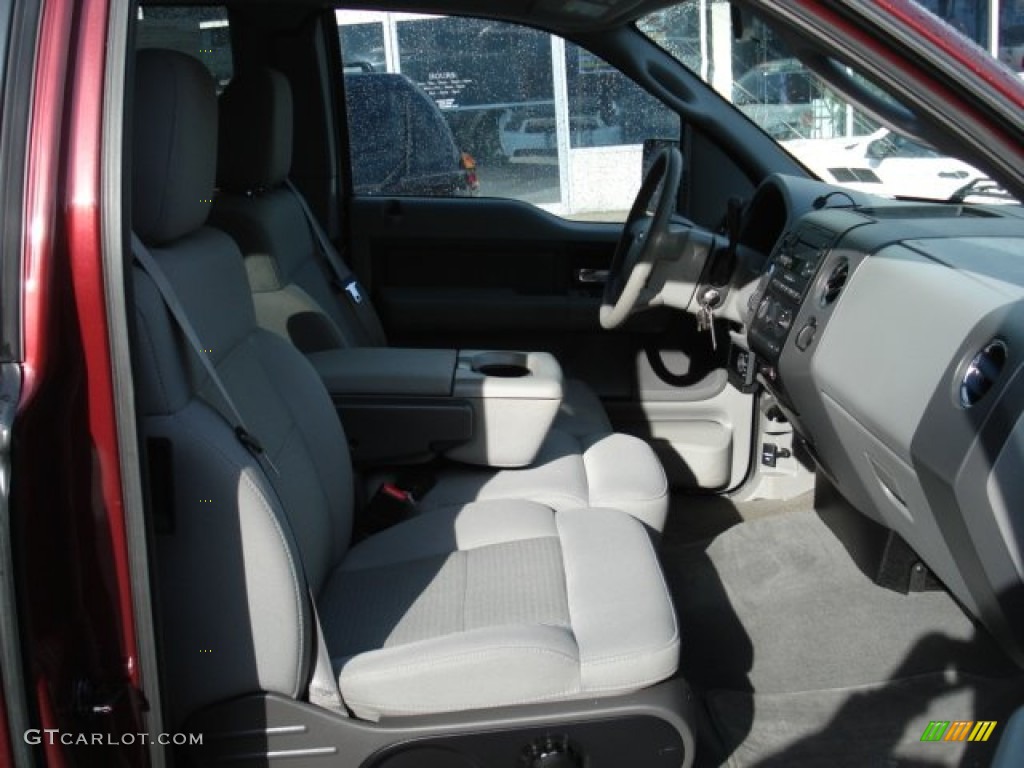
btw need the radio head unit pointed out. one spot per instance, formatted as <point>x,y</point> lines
<point>789,274</point>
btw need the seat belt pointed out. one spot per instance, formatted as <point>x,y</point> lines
<point>347,283</point>
<point>323,687</point>
<point>166,290</point>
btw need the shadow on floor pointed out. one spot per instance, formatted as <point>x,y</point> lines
<point>800,660</point>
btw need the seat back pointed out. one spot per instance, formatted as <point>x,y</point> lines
<point>237,546</point>
<point>295,294</point>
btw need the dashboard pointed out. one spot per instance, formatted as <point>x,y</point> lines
<point>890,334</point>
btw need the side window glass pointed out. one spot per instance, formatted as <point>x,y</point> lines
<point>799,89</point>
<point>456,106</point>
<point>200,32</point>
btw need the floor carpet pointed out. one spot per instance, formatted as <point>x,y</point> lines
<point>802,660</point>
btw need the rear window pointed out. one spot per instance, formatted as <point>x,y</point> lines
<point>200,32</point>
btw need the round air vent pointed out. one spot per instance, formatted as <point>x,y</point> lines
<point>982,372</point>
<point>835,282</point>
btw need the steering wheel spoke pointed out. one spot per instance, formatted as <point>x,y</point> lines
<point>641,226</point>
<point>643,235</point>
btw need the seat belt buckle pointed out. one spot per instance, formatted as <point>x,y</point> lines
<point>400,495</point>
<point>389,506</point>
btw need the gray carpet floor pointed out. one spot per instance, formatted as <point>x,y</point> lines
<point>803,660</point>
<point>871,726</point>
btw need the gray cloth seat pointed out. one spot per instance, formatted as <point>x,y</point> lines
<point>583,461</point>
<point>478,605</point>
<point>498,602</point>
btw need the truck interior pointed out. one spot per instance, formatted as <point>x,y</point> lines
<point>445,476</point>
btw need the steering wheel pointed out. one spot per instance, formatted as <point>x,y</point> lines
<point>643,236</point>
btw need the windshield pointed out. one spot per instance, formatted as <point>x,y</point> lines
<point>756,71</point>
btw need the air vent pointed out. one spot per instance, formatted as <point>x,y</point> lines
<point>849,175</point>
<point>982,372</point>
<point>834,284</point>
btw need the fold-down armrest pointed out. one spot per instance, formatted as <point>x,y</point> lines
<point>387,371</point>
<point>396,404</point>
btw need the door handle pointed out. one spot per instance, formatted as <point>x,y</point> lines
<point>587,275</point>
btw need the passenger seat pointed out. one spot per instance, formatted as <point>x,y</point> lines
<point>476,606</point>
<point>583,462</point>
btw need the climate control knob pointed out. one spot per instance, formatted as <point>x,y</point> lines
<point>805,337</point>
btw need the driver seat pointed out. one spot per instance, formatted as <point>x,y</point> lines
<point>582,461</point>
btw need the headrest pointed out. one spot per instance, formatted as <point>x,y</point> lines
<point>175,145</point>
<point>255,132</point>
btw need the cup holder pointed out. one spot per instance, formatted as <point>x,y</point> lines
<point>503,365</point>
<point>503,370</point>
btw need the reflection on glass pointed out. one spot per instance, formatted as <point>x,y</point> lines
<point>751,65</point>
<point>534,117</point>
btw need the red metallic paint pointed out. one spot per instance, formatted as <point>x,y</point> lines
<point>6,757</point>
<point>82,208</point>
<point>957,47</point>
<point>41,190</point>
<point>51,750</point>
<point>79,624</point>
<point>38,227</point>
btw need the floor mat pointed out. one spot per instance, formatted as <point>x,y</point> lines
<point>870,726</point>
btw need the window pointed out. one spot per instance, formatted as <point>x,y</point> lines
<point>201,32</point>
<point>458,106</point>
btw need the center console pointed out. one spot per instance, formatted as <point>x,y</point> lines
<point>795,298</point>
<point>492,408</point>
<point>777,301</point>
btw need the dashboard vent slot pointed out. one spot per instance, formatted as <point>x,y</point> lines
<point>982,373</point>
<point>835,283</point>
<point>848,175</point>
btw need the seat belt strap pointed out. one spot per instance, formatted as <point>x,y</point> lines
<point>346,281</point>
<point>228,410</point>
<point>342,274</point>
